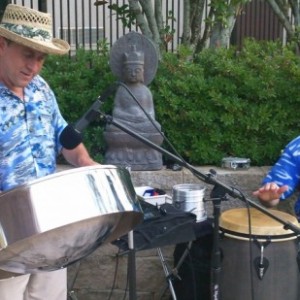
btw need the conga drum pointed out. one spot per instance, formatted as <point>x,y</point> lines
<point>259,256</point>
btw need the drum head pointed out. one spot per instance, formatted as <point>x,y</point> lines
<point>237,220</point>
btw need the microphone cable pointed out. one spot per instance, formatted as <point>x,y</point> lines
<point>115,274</point>
<point>250,245</point>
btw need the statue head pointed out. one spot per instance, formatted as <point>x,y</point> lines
<point>137,48</point>
<point>133,56</point>
<point>133,65</point>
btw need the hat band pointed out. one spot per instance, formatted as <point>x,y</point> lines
<point>28,32</point>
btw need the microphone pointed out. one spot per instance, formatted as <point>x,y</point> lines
<point>93,112</point>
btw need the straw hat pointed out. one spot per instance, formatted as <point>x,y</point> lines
<point>32,29</point>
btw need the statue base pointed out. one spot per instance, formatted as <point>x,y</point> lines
<point>126,151</point>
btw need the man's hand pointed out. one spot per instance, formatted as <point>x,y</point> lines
<point>270,193</point>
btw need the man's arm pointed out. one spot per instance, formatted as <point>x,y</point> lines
<point>79,156</point>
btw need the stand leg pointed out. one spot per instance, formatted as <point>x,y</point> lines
<point>131,267</point>
<point>71,294</point>
<point>218,194</point>
<point>181,260</point>
<point>216,256</point>
<point>171,275</point>
<point>168,274</point>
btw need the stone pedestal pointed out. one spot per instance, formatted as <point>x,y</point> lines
<point>127,151</point>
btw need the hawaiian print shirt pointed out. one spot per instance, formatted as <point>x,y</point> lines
<point>29,134</point>
<point>286,171</point>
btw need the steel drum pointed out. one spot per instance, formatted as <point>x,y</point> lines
<point>59,219</point>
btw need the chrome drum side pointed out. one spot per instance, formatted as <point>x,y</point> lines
<point>55,221</point>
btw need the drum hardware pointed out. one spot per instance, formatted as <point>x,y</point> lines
<point>168,274</point>
<point>71,293</point>
<point>261,262</point>
<point>171,275</point>
<point>131,267</point>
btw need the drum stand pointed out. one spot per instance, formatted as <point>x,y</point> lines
<point>71,295</point>
<point>174,274</point>
<point>170,276</point>
<point>131,267</point>
<point>131,272</point>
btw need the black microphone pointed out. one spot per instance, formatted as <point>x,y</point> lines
<point>93,111</point>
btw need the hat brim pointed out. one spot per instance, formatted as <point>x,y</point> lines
<point>56,46</point>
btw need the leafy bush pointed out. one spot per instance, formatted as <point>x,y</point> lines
<point>230,103</point>
<point>77,82</point>
<point>223,102</point>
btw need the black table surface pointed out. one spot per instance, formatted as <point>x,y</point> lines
<point>162,226</point>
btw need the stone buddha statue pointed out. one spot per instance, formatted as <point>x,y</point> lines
<point>134,109</point>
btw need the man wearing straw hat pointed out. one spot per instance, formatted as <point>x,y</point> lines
<point>32,130</point>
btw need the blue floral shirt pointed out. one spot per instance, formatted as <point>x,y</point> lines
<point>286,171</point>
<point>29,134</point>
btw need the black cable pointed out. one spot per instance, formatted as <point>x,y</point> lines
<point>115,275</point>
<point>155,125</point>
<point>250,244</point>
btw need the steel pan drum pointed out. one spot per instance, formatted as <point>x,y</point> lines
<point>55,221</point>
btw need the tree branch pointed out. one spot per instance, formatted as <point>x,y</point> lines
<point>282,17</point>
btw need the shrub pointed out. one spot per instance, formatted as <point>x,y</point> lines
<point>230,103</point>
<point>223,102</point>
<point>78,81</point>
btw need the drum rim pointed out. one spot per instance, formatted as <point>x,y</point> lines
<point>56,175</point>
<point>258,237</point>
<point>236,221</point>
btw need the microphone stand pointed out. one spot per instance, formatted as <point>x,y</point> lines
<point>219,193</point>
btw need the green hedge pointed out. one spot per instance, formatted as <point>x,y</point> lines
<point>224,102</point>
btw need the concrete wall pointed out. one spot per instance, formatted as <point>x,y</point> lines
<point>103,274</point>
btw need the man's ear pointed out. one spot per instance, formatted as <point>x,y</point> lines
<point>3,43</point>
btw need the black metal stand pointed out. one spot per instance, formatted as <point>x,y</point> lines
<point>173,274</point>
<point>131,267</point>
<point>167,273</point>
<point>71,293</point>
<point>220,190</point>
<point>218,194</point>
